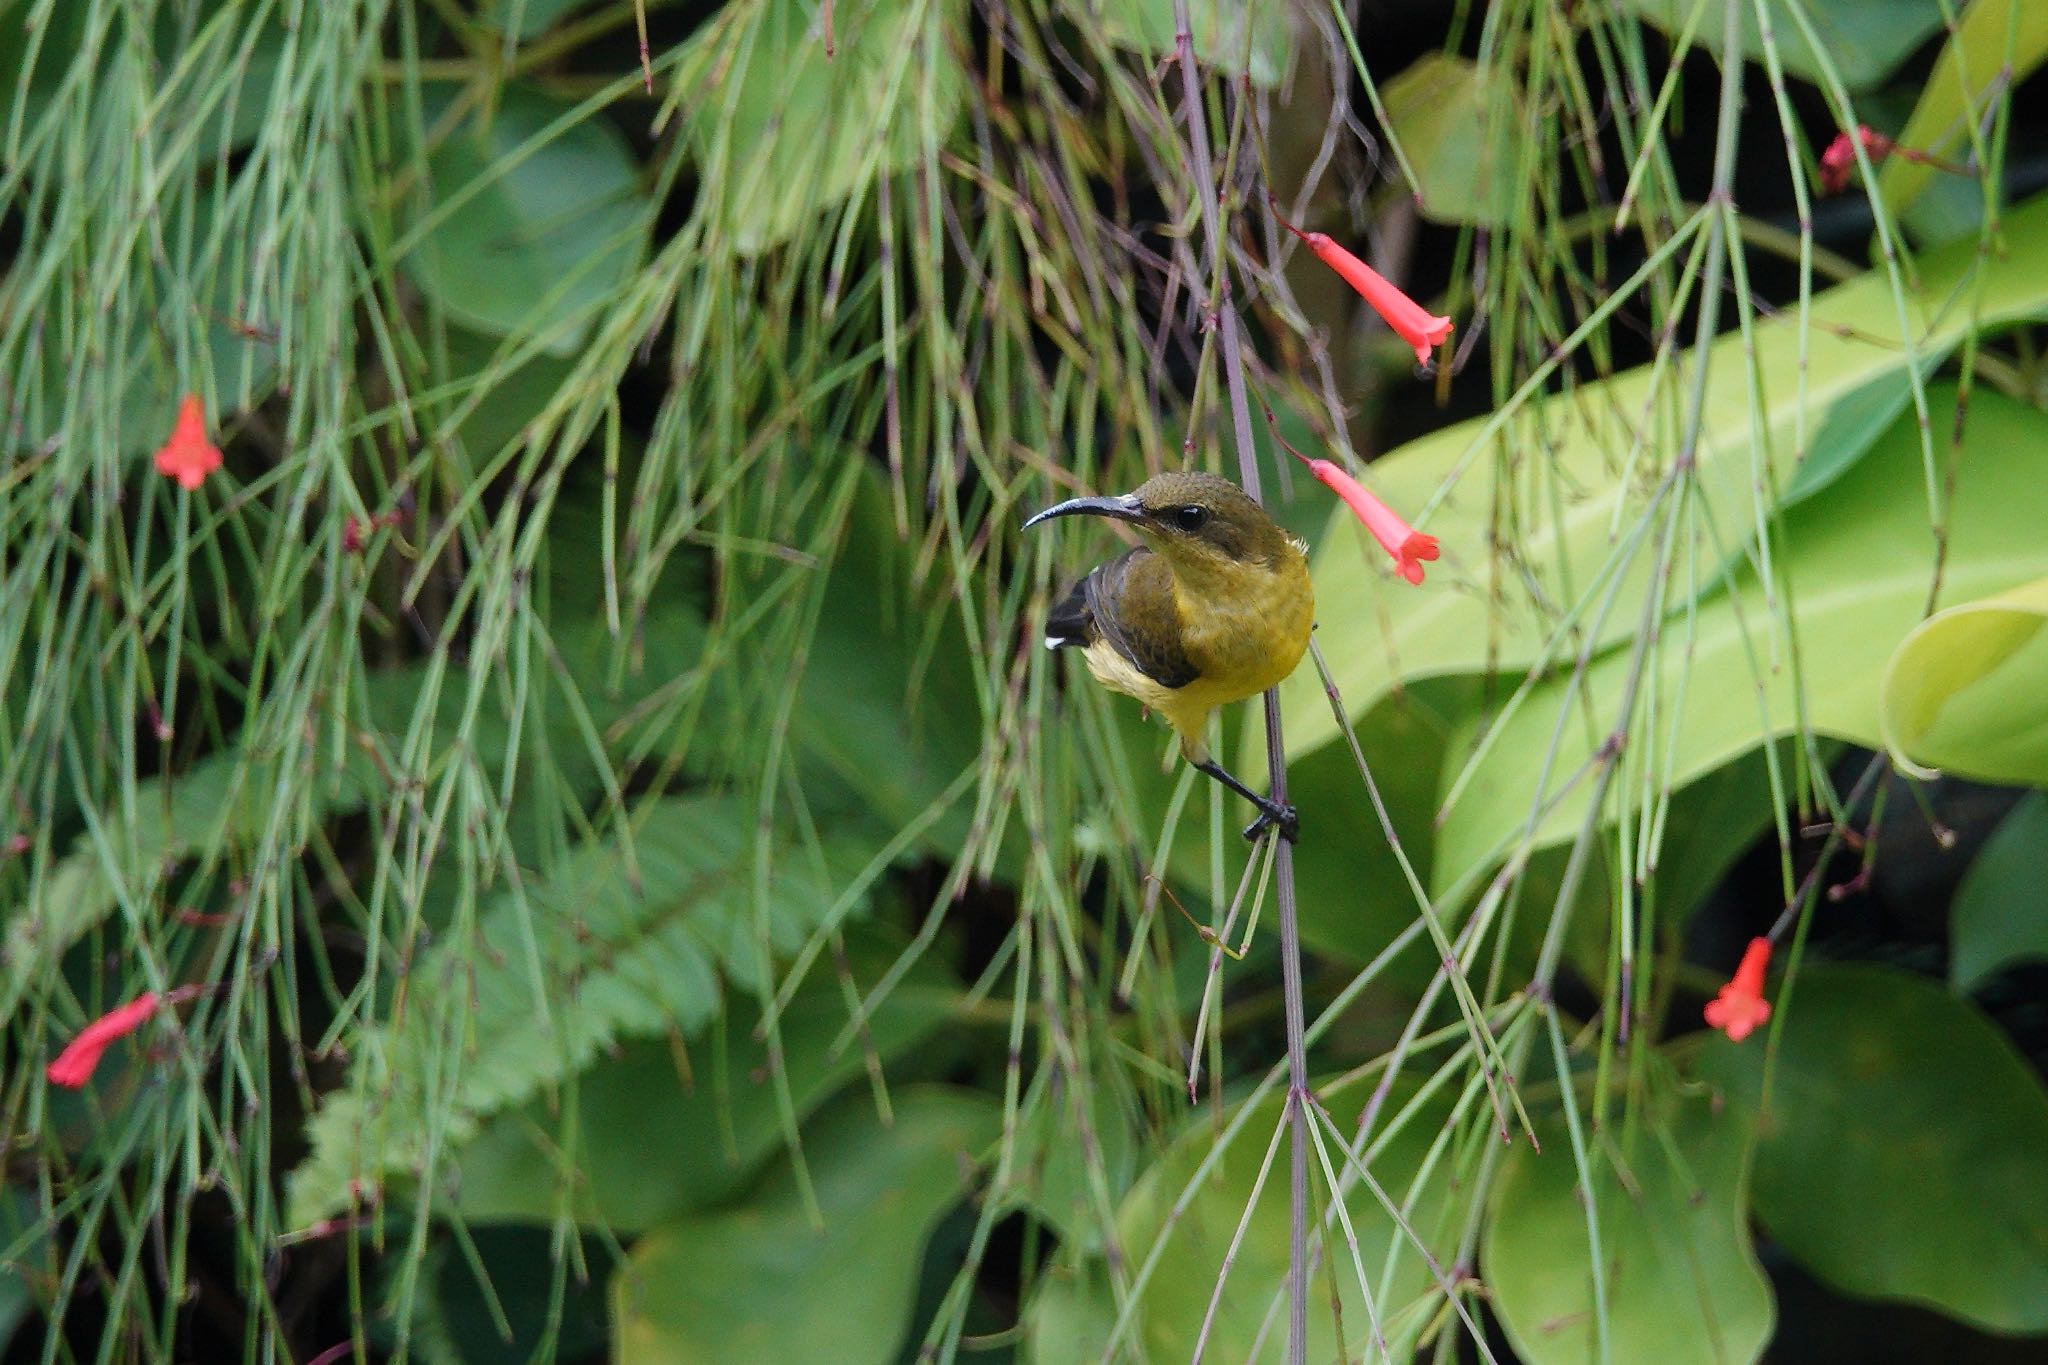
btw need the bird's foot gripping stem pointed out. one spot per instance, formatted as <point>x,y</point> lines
<point>1272,814</point>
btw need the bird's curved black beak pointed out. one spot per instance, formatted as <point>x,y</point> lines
<point>1124,507</point>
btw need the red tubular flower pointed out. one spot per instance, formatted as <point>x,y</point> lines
<point>1408,546</point>
<point>74,1065</point>
<point>1840,158</point>
<point>1741,1007</point>
<point>188,456</point>
<point>1415,324</point>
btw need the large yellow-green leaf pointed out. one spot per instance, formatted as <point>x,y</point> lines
<point>1967,691</point>
<point>1996,44</point>
<point>1681,1283</point>
<point>757,1281</point>
<point>2000,915</point>
<point>1901,1151</point>
<point>1553,482</point>
<point>1441,111</point>
<point>1854,564</point>
<point>780,131</point>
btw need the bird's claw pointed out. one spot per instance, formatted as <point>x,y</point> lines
<point>1274,815</point>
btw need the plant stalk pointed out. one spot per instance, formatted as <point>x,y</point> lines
<point>1225,310</point>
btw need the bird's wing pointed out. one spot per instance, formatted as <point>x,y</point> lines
<point>1090,613</point>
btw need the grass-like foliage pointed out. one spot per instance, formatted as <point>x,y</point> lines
<point>565,845</point>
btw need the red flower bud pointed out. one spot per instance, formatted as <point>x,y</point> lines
<point>1840,158</point>
<point>74,1065</point>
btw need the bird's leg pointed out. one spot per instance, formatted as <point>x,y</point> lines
<point>1276,814</point>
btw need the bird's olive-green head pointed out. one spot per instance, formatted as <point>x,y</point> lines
<point>1190,518</point>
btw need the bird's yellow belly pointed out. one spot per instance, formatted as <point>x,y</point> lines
<point>1239,642</point>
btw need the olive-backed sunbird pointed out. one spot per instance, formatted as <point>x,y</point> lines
<point>1214,607</point>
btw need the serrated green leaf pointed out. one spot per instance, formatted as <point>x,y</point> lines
<point>1900,1155</point>
<point>759,1282</point>
<point>651,1145</point>
<point>781,132</point>
<point>1963,692</point>
<point>613,944</point>
<point>2001,908</point>
<point>1681,1283</point>
<point>221,802</point>
<point>537,215</point>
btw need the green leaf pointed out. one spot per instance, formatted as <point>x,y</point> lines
<point>1441,110</point>
<point>511,396</point>
<point>1849,429</point>
<point>1962,693</point>
<point>1899,1152</point>
<point>888,703</point>
<point>244,108</point>
<point>519,1269</point>
<point>758,1281</point>
<point>25,1250</point>
<point>1681,1283</point>
<point>651,1142</point>
<point>1474,617</point>
<point>1072,1312</point>
<point>614,944</point>
<point>537,217</point>
<point>1724,683</point>
<point>223,802</point>
<point>1352,893</point>
<point>1992,49</point>
<point>194,347</point>
<point>1256,39</point>
<point>1174,1301</point>
<point>1864,40</point>
<point>1070,1181</point>
<point>1950,207</point>
<point>781,132</point>
<point>2000,914</point>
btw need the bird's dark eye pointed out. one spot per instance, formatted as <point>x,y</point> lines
<point>1191,518</point>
